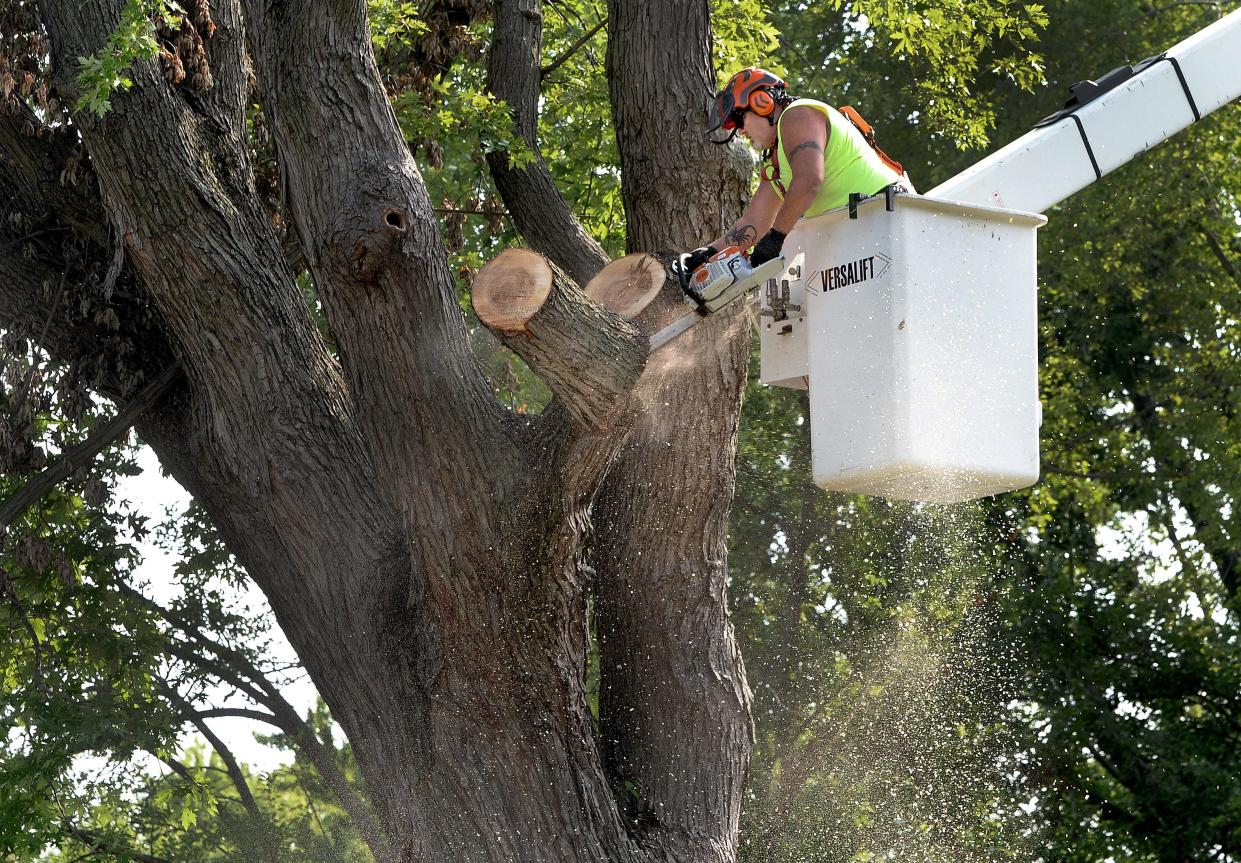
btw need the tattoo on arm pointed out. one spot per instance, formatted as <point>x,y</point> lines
<point>805,145</point>
<point>742,236</point>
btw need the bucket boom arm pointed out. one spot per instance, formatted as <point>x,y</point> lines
<point>1107,123</point>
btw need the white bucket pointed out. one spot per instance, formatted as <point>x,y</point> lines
<point>918,336</point>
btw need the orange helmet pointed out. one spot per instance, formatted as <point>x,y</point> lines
<point>751,89</point>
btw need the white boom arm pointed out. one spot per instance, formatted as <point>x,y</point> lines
<point>1107,123</point>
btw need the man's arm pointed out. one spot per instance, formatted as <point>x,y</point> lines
<point>805,138</point>
<point>754,222</point>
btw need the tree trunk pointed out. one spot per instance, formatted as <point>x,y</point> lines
<point>674,701</point>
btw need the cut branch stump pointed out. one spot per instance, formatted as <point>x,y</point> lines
<point>587,354</point>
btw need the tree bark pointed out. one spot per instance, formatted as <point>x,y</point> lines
<point>540,212</point>
<point>674,704</point>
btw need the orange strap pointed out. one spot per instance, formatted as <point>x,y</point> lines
<point>868,132</point>
<point>770,168</point>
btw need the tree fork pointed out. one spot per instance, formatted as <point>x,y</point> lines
<point>588,355</point>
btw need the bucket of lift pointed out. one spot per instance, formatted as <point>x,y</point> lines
<point>912,322</point>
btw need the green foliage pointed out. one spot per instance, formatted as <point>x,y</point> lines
<point>99,680</point>
<point>743,35</point>
<point>1129,601</point>
<point>462,110</point>
<point>575,123</point>
<point>76,668</point>
<point>951,44</point>
<point>942,60</point>
<point>394,22</point>
<point>1051,674</point>
<point>134,39</point>
<point>199,819</point>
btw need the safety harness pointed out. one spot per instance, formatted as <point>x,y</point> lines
<point>770,170</point>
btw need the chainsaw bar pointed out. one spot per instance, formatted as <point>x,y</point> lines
<point>758,276</point>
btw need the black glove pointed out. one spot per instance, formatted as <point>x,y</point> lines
<point>767,248</point>
<point>698,257</point>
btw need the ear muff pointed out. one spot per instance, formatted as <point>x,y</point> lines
<point>762,103</point>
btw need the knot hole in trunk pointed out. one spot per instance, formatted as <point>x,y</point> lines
<point>396,220</point>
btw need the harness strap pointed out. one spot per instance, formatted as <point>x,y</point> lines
<point>770,171</point>
<point>868,132</point>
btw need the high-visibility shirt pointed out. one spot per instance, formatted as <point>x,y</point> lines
<point>849,163</point>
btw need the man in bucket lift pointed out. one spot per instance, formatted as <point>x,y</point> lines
<point>813,157</point>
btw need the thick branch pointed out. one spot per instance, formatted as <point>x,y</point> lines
<point>629,285</point>
<point>82,454</point>
<point>364,217</point>
<point>540,212</point>
<point>44,178</point>
<point>679,190</point>
<point>674,705</point>
<point>46,183</point>
<point>588,356</point>
<point>361,211</point>
<point>640,288</point>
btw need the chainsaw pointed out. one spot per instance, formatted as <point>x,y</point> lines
<point>726,277</point>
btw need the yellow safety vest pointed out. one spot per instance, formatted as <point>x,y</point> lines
<point>850,164</point>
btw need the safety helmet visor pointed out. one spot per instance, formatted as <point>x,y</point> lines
<point>725,117</point>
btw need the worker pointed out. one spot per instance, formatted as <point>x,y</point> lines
<point>813,158</point>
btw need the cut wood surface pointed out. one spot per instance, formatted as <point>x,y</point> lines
<point>511,289</point>
<point>629,284</point>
